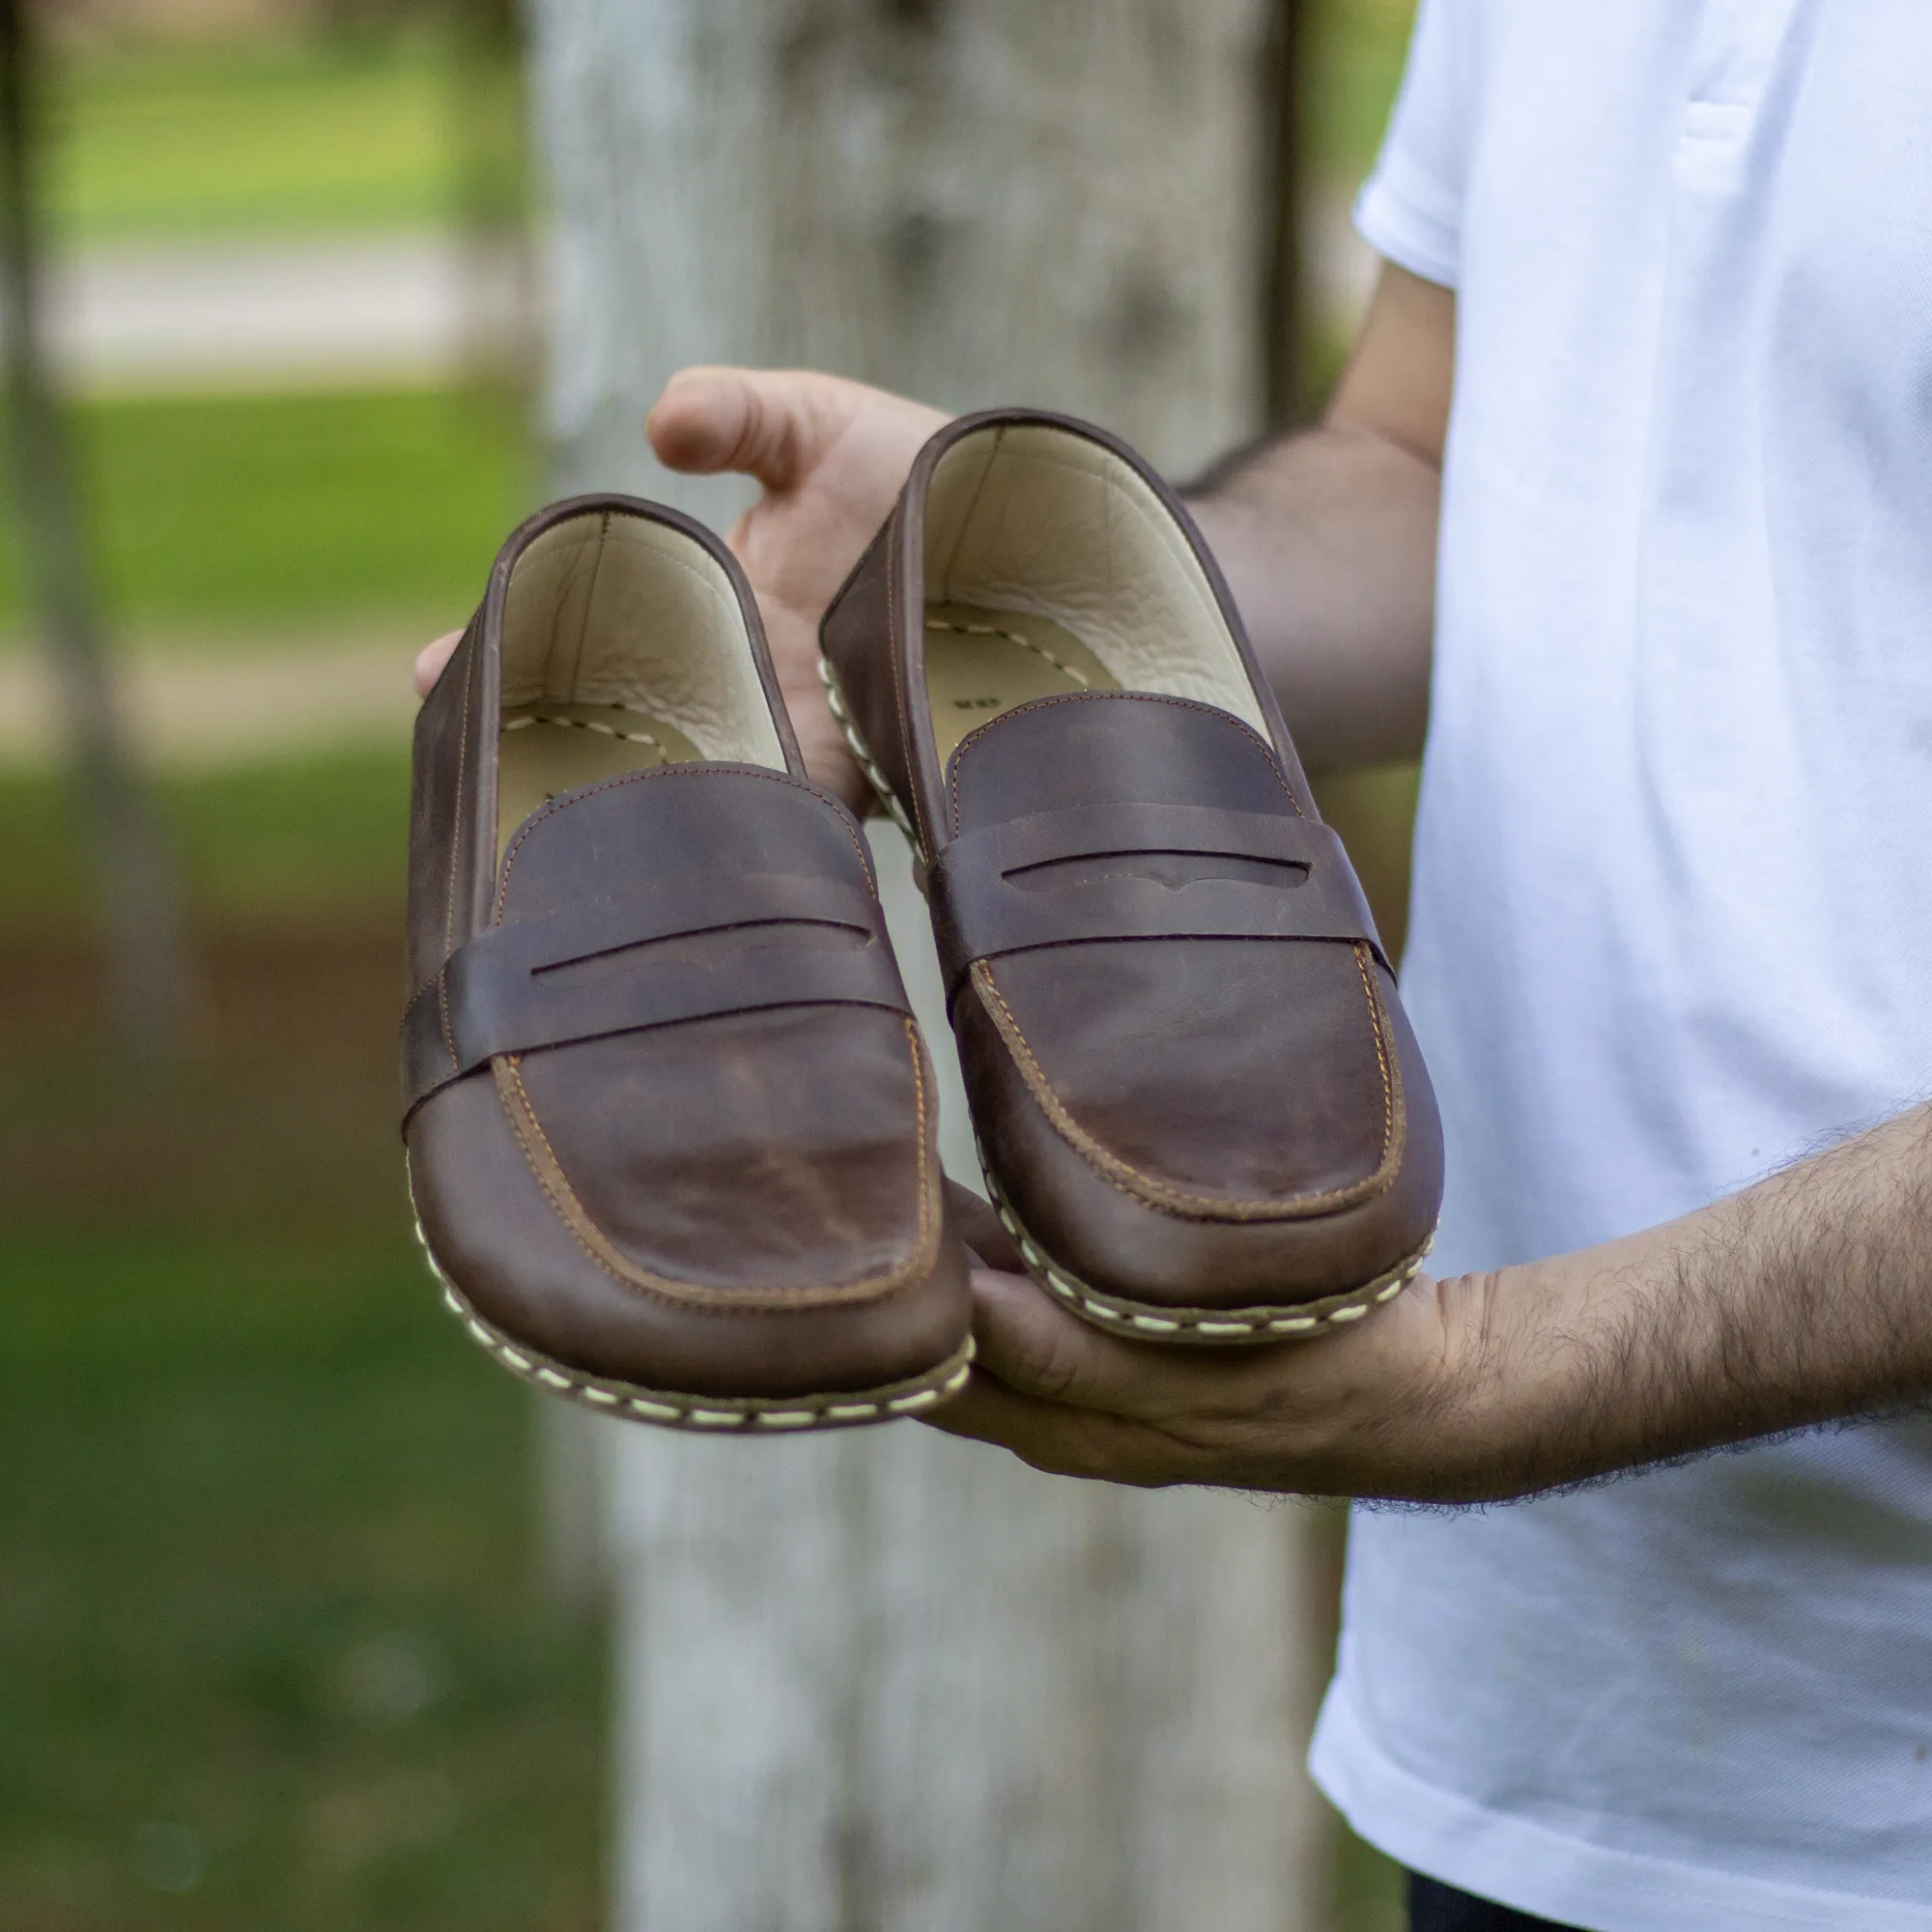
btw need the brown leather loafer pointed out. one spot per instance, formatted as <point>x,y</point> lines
<point>671,1129</point>
<point>1201,1110</point>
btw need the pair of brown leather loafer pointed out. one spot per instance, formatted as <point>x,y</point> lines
<point>670,1124</point>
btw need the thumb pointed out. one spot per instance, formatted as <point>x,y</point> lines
<point>771,424</point>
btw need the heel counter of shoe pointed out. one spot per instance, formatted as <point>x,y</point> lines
<point>856,637</point>
<point>443,870</point>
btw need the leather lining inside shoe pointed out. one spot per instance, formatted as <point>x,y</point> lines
<point>1052,566</point>
<point>980,663</point>
<point>624,647</point>
<point>546,749</point>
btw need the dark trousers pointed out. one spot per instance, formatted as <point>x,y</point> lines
<point>1438,1908</point>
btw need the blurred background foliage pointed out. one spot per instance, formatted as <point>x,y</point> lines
<point>272,1648</point>
<point>328,130</point>
<point>218,512</point>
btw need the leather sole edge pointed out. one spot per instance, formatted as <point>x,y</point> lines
<point>882,789</point>
<point>710,1415</point>
<point>1199,1328</point>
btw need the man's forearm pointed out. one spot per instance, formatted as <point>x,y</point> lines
<point>1804,1299</point>
<point>1328,542</point>
<point>1329,538</point>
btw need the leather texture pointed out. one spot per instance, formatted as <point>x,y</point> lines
<point>671,1127</point>
<point>1137,870</point>
<point>751,870</point>
<point>1193,1083</point>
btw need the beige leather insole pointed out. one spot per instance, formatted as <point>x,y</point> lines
<point>546,749</point>
<point>980,663</point>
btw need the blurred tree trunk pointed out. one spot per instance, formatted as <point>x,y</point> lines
<point>1285,372</point>
<point>140,917</point>
<point>890,1682</point>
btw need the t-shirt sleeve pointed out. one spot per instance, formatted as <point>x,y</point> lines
<point>1411,210</point>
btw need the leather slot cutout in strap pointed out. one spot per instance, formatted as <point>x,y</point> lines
<point>1173,869</point>
<point>762,944</point>
<point>1293,882</point>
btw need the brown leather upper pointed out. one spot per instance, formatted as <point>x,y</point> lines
<point>652,898</point>
<point>1188,1064</point>
<point>1060,830</point>
<point>669,1118</point>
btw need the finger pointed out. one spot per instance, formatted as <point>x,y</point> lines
<point>771,424</point>
<point>1062,1442</point>
<point>1034,1344</point>
<point>432,657</point>
<point>982,1230</point>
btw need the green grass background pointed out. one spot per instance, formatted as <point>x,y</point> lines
<point>306,844</point>
<point>267,512</point>
<point>268,1556</point>
<point>153,143</point>
<point>1355,54</point>
<point>268,1580</point>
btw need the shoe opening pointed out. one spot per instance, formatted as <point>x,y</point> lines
<point>624,646</point>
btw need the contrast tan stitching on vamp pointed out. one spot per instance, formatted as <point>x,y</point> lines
<point>1145,1187</point>
<point>557,805</point>
<point>548,1171</point>
<point>547,1175</point>
<point>928,1175</point>
<point>1395,1115</point>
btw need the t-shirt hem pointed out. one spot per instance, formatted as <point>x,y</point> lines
<point>1408,221</point>
<point>1528,1865</point>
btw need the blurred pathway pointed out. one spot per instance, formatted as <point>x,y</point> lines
<point>421,308</point>
<point>416,308</point>
<point>190,707</point>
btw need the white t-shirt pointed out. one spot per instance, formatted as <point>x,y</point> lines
<point>1672,924</point>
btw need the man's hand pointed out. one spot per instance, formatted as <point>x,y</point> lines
<point>1369,1410</point>
<point>432,657</point>
<point>1313,1417</point>
<point>1801,1300</point>
<point>830,456</point>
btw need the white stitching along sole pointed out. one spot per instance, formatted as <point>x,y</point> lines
<point>881,785</point>
<point>712,1414</point>
<point>1199,1328</point>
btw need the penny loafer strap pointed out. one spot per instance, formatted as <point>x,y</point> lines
<point>1046,880</point>
<point>759,942</point>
